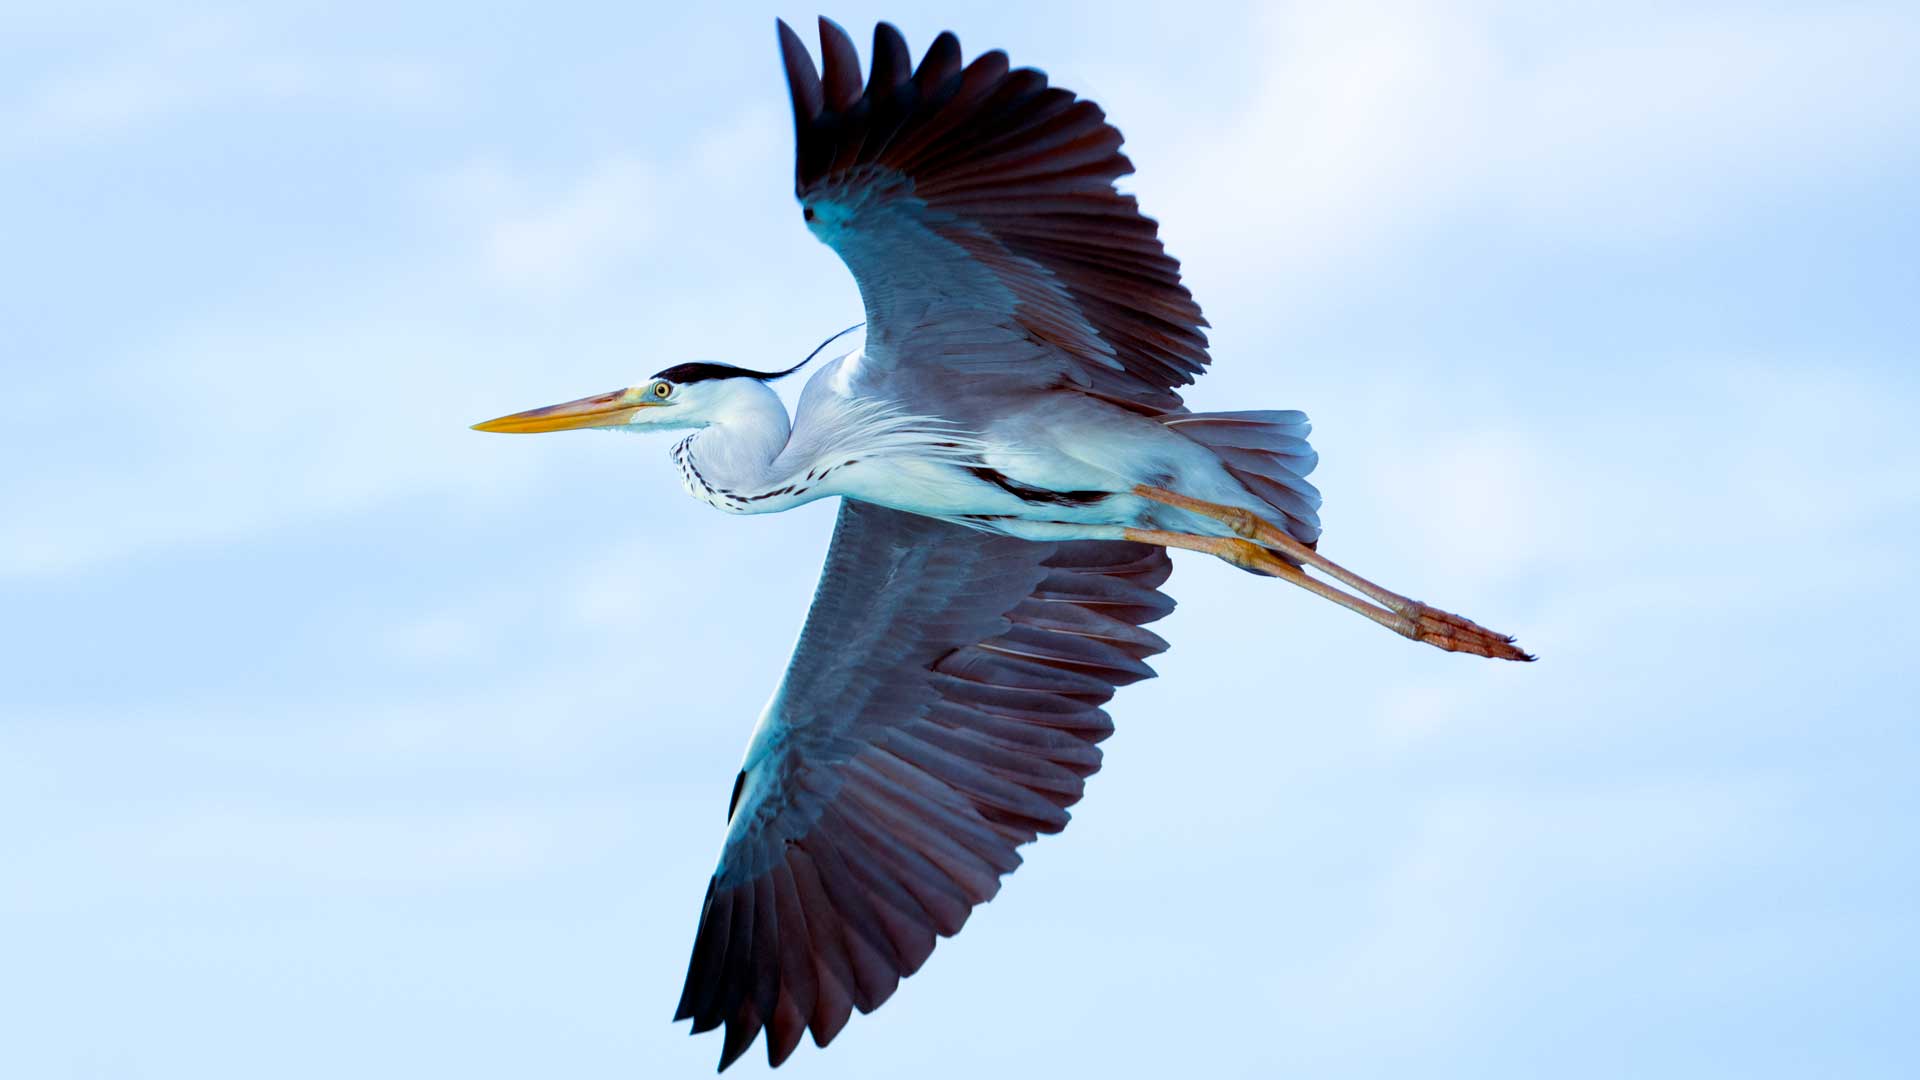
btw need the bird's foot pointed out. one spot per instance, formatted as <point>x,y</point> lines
<point>1260,549</point>
<point>1457,633</point>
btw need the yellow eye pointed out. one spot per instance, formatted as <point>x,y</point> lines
<point>662,389</point>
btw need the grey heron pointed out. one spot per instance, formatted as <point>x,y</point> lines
<point>1014,461</point>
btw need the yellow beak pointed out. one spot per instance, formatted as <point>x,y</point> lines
<point>602,410</point>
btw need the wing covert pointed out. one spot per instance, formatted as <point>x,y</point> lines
<point>975,206</point>
<point>941,709</point>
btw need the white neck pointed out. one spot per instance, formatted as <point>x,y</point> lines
<point>750,459</point>
<point>731,460</point>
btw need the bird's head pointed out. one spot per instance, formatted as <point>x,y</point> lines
<point>682,396</point>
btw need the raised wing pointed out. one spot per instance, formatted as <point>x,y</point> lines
<point>975,206</point>
<point>940,710</point>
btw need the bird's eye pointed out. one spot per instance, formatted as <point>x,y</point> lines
<point>662,389</point>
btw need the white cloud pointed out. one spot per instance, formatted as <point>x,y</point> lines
<point>256,427</point>
<point>424,848</point>
<point>1379,854</point>
<point>1439,935</point>
<point>1368,121</point>
<point>255,421</point>
<point>553,236</point>
<point>438,638</point>
<point>200,63</point>
<point>558,240</point>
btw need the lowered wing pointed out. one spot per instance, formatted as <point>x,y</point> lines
<point>976,207</point>
<point>941,709</point>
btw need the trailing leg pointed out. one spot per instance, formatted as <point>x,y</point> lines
<point>1256,551</point>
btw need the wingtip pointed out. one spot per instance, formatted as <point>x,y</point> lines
<point>787,39</point>
<point>834,37</point>
<point>739,1039</point>
<point>803,80</point>
<point>892,62</point>
<point>779,1050</point>
<point>839,66</point>
<point>941,61</point>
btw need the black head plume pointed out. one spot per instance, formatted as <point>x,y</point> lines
<point>682,374</point>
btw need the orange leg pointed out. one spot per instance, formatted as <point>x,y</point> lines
<point>1409,618</point>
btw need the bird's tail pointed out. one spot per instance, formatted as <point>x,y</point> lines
<point>1267,452</point>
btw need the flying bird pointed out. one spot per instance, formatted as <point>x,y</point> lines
<point>1014,462</point>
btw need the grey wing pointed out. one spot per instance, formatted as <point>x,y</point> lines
<point>976,208</point>
<point>941,709</point>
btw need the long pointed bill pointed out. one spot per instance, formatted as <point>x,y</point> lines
<point>602,410</point>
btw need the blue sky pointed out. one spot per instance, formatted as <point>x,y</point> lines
<point>336,739</point>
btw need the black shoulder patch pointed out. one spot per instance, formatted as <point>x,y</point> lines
<point>1030,494</point>
<point>733,800</point>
